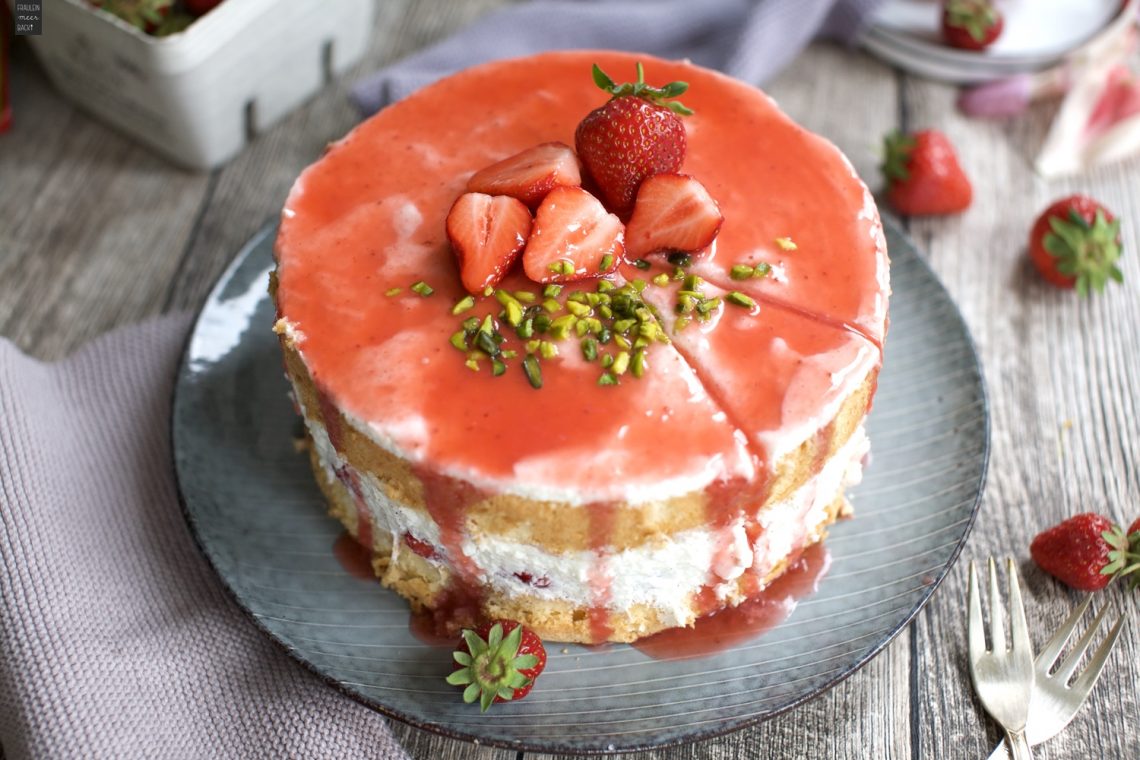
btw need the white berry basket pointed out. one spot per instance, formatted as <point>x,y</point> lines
<point>198,96</point>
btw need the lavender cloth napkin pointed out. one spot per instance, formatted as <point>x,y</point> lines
<point>748,39</point>
<point>116,638</point>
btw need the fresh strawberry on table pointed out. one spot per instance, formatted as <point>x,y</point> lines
<point>970,24</point>
<point>636,134</point>
<point>923,174</point>
<point>573,238</point>
<point>673,212</point>
<point>497,662</point>
<point>487,234</point>
<point>1076,243</point>
<point>1088,551</point>
<point>529,175</point>
<point>201,7</point>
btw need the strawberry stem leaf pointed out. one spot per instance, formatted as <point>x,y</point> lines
<point>661,96</point>
<point>1088,252</point>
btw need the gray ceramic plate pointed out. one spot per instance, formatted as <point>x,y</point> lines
<point>258,516</point>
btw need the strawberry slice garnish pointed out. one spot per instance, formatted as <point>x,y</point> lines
<point>497,662</point>
<point>574,238</point>
<point>674,212</point>
<point>529,175</point>
<point>1076,243</point>
<point>970,24</point>
<point>923,174</point>
<point>635,135</point>
<point>487,234</point>
<point>1087,551</point>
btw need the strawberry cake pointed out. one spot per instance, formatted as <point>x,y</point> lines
<point>563,362</point>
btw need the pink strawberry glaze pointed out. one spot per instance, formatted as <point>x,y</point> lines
<point>370,214</point>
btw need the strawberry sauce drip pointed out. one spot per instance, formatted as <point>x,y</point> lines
<point>344,473</point>
<point>601,516</point>
<point>763,611</point>
<point>447,500</point>
<point>354,558</point>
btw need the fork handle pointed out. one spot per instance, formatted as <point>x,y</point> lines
<point>1018,746</point>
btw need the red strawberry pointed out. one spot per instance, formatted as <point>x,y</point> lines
<point>497,662</point>
<point>674,212</point>
<point>923,175</point>
<point>574,238</point>
<point>970,24</point>
<point>1076,243</point>
<point>1086,552</point>
<point>201,7</point>
<point>1134,527</point>
<point>487,234</point>
<point>529,175</point>
<point>633,136</point>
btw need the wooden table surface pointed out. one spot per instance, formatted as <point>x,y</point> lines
<point>96,232</point>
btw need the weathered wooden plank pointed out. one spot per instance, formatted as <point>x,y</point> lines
<point>1062,375</point>
<point>92,224</point>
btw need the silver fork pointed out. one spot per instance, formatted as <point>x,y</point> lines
<point>1055,701</point>
<point>1003,676</point>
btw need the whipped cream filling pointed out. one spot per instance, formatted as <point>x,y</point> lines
<point>663,574</point>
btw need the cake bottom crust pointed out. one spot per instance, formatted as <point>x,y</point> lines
<point>427,586</point>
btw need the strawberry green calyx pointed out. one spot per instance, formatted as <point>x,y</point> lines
<point>657,95</point>
<point>897,149</point>
<point>1088,252</point>
<point>1124,556</point>
<point>975,16</point>
<point>492,667</point>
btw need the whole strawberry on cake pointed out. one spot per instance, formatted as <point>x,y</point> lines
<point>589,354</point>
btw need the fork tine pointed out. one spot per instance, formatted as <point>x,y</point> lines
<point>977,631</point>
<point>1066,668</point>
<point>1061,637</point>
<point>997,626</point>
<point>1087,680</point>
<point>1018,628</point>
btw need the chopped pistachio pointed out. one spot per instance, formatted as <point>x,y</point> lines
<point>488,290</point>
<point>504,297</point>
<point>622,342</point>
<point>533,345</point>
<point>638,365</point>
<point>679,259</point>
<point>514,314</point>
<point>678,273</point>
<point>708,305</point>
<point>739,299</point>
<point>422,288</point>
<point>641,264</point>
<point>552,306</point>
<point>606,262</point>
<point>526,329</point>
<point>509,354</point>
<point>562,266</point>
<point>459,340</point>
<point>608,361</point>
<point>497,367</point>
<point>661,280</point>
<point>578,309</point>
<point>463,305</point>
<point>553,290</point>
<point>621,363</point>
<point>741,272</point>
<point>681,324</point>
<point>472,365</point>
<point>547,349</point>
<point>605,312</point>
<point>532,371</point>
<point>589,349</point>
<point>624,325</point>
<point>560,328</point>
<point>524,296</point>
<point>488,325</point>
<point>605,335</point>
<point>581,328</point>
<point>605,286</point>
<point>486,343</point>
<point>607,379</point>
<point>763,269</point>
<point>640,285</point>
<point>471,324</point>
<point>393,292</point>
<point>686,304</point>
<point>541,323</point>
<point>786,243</point>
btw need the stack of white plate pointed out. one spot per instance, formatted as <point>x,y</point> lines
<point>1037,34</point>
